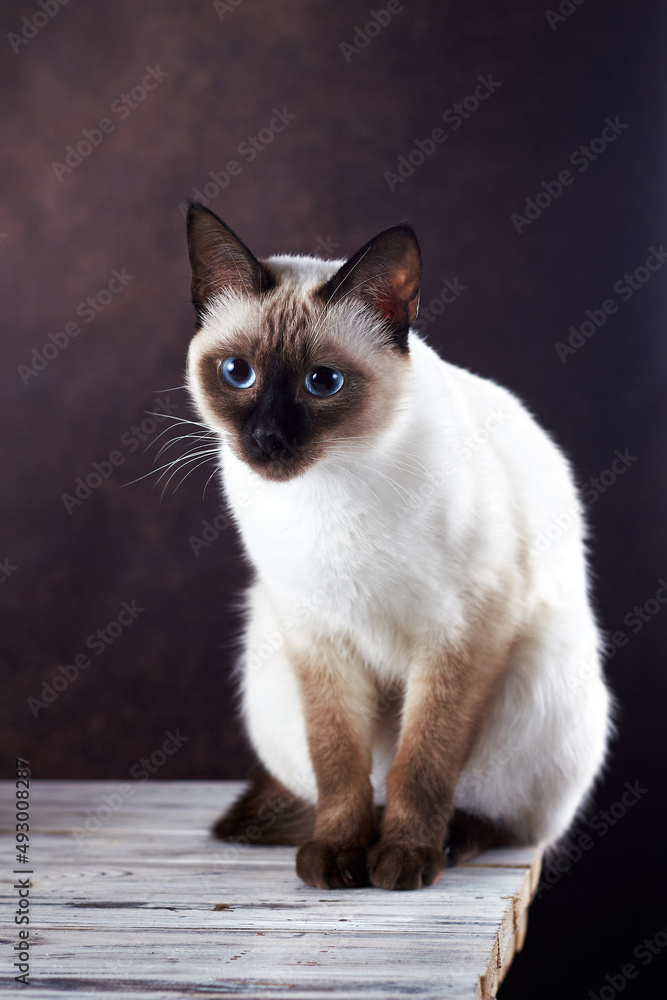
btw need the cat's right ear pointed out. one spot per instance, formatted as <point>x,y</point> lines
<point>220,260</point>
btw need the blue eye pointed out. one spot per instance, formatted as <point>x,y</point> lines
<point>324,381</point>
<point>238,373</point>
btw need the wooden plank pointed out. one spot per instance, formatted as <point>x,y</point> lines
<point>149,904</point>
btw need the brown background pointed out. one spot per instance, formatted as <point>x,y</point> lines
<point>321,179</point>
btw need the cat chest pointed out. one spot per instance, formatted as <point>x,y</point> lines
<point>374,582</point>
<point>348,559</point>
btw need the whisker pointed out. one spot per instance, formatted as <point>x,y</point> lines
<point>172,428</point>
<point>396,486</point>
<point>362,481</point>
<point>336,479</point>
<point>168,465</point>
<point>407,457</point>
<point>399,459</point>
<point>201,438</point>
<point>218,468</point>
<point>182,420</point>
<point>392,482</point>
<point>181,481</point>
<point>180,463</point>
<point>410,470</point>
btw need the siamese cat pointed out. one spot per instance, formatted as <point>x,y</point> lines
<point>420,678</point>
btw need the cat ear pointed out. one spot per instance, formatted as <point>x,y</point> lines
<point>220,260</point>
<point>386,274</point>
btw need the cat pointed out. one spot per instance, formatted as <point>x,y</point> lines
<point>420,679</point>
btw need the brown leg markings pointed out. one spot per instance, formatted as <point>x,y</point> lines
<point>267,813</point>
<point>337,703</point>
<point>468,836</point>
<point>443,711</point>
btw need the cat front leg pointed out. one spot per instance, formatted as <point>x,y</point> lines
<point>337,700</point>
<point>443,710</point>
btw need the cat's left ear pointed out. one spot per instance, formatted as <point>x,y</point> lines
<point>386,274</point>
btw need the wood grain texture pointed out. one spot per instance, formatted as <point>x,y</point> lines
<point>150,905</point>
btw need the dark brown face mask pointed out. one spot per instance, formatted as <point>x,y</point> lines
<point>286,383</point>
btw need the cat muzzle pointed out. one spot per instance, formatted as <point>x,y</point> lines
<point>270,444</point>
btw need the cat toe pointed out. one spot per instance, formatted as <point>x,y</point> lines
<point>332,867</point>
<point>400,865</point>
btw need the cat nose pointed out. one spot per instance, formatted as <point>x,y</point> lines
<point>268,441</point>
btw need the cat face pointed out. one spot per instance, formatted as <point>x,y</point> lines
<point>293,357</point>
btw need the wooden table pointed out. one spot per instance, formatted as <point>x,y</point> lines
<point>149,905</point>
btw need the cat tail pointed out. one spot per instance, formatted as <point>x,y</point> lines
<point>468,836</point>
<point>267,813</point>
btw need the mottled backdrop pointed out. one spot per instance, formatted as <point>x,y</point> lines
<point>527,147</point>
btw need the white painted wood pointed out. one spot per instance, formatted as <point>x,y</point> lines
<point>150,905</point>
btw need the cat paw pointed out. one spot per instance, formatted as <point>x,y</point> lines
<point>325,866</point>
<point>399,865</point>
